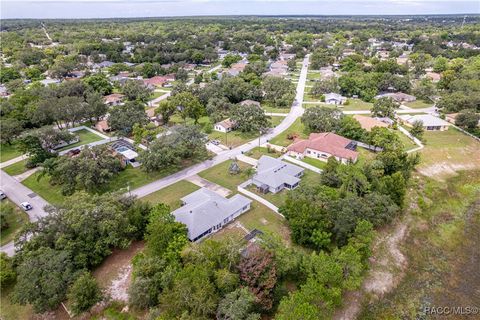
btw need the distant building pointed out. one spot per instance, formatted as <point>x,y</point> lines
<point>113,99</point>
<point>226,125</point>
<point>323,146</point>
<point>429,122</point>
<point>368,123</point>
<point>274,175</point>
<point>250,102</point>
<point>47,82</point>
<point>159,81</point>
<point>397,96</point>
<point>434,76</point>
<point>205,212</point>
<point>334,98</point>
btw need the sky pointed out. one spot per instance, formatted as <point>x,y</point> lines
<point>70,9</point>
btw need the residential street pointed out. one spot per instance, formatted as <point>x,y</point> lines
<point>295,112</point>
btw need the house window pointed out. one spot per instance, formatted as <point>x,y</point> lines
<point>219,226</point>
<point>225,220</point>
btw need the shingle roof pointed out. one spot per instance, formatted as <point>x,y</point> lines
<point>204,209</point>
<point>227,123</point>
<point>274,172</point>
<point>328,142</point>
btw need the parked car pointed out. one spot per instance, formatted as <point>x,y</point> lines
<point>215,142</point>
<point>2,195</point>
<point>26,206</point>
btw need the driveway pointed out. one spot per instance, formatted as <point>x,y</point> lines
<point>203,183</point>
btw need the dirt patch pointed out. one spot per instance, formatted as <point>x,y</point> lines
<point>387,266</point>
<point>443,170</point>
<point>114,274</point>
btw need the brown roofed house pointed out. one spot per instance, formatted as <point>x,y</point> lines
<point>226,125</point>
<point>323,146</point>
<point>113,99</point>
<point>369,123</point>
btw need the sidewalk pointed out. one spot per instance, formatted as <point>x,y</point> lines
<point>302,164</point>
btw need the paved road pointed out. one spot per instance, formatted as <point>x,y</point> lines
<point>295,112</point>
<point>18,193</point>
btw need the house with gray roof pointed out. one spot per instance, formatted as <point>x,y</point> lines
<point>334,98</point>
<point>205,212</point>
<point>429,122</point>
<point>275,175</point>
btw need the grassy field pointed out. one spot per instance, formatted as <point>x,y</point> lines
<point>257,152</point>
<point>276,110</point>
<point>277,199</point>
<point>219,174</point>
<point>313,75</point>
<point>15,218</point>
<point>85,138</point>
<point>441,250</point>
<point>8,152</point>
<point>297,127</point>
<point>275,121</point>
<point>234,138</point>
<point>407,142</point>
<point>262,218</point>
<point>419,104</point>
<point>315,162</point>
<point>16,168</point>
<point>10,310</point>
<point>357,104</point>
<point>171,195</point>
<point>42,187</point>
<point>176,119</point>
<point>447,152</point>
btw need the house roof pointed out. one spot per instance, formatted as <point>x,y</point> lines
<point>427,119</point>
<point>114,97</point>
<point>328,142</point>
<point>204,209</point>
<point>227,123</point>
<point>274,172</point>
<point>249,102</point>
<point>158,80</point>
<point>369,123</point>
<point>399,96</point>
<point>334,96</point>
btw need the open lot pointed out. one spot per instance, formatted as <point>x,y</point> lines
<point>257,152</point>
<point>447,152</point>
<point>407,142</point>
<point>419,104</point>
<point>171,195</point>
<point>296,128</point>
<point>85,138</point>
<point>219,174</point>
<point>276,110</point>
<point>357,104</point>
<point>8,152</point>
<point>234,138</point>
<point>15,217</point>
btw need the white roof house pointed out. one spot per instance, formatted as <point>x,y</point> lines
<point>430,123</point>
<point>334,98</point>
<point>226,125</point>
<point>205,212</point>
<point>274,175</point>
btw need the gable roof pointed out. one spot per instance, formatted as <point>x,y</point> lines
<point>204,209</point>
<point>369,123</point>
<point>227,123</point>
<point>334,96</point>
<point>114,97</point>
<point>274,172</point>
<point>328,142</point>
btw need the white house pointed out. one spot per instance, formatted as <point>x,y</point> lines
<point>334,98</point>
<point>275,175</point>
<point>205,212</point>
<point>226,125</point>
<point>429,122</point>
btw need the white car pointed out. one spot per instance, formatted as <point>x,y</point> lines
<point>26,206</point>
<point>2,195</point>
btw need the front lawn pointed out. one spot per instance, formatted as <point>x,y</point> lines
<point>407,142</point>
<point>15,218</point>
<point>315,162</point>
<point>219,174</point>
<point>419,104</point>
<point>296,128</point>
<point>356,105</point>
<point>275,121</point>
<point>171,195</point>
<point>233,138</point>
<point>16,168</point>
<point>8,152</point>
<point>278,199</point>
<point>275,110</point>
<point>85,137</point>
<point>257,152</point>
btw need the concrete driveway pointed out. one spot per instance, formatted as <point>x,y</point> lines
<point>203,183</point>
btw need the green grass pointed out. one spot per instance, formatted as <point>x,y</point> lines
<point>357,104</point>
<point>407,142</point>
<point>219,174</point>
<point>276,110</point>
<point>176,119</point>
<point>16,168</point>
<point>156,94</point>
<point>315,162</point>
<point>234,138</point>
<point>8,152</point>
<point>85,138</point>
<point>42,187</point>
<point>114,312</point>
<point>313,75</point>
<point>15,218</point>
<point>257,152</point>
<point>297,128</point>
<point>275,121</point>
<point>278,199</point>
<point>419,104</point>
<point>262,218</point>
<point>10,310</point>
<point>171,195</point>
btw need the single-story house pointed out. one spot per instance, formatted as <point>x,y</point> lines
<point>236,68</point>
<point>113,99</point>
<point>397,96</point>
<point>126,151</point>
<point>47,82</point>
<point>158,81</point>
<point>334,98</point>
<point>323,146</point>
<point>226,125</point>
<point>205,212</point>
<point>103,64</point>
<point>434,76</point>
<point>286,56</point>
<point>368,123</point>
<point>430,122</point>
<point>250,102</point>
<point>275,175</point>
<point>102,126</point>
